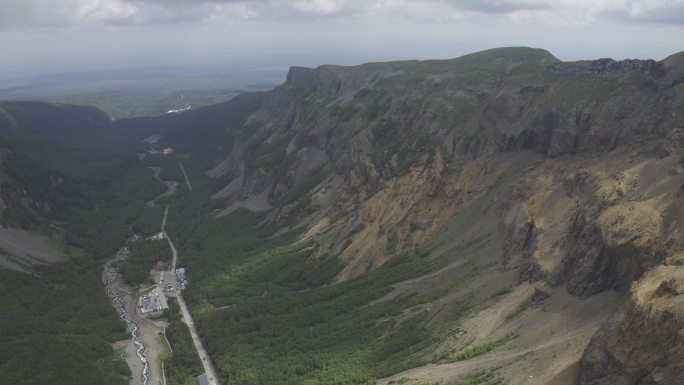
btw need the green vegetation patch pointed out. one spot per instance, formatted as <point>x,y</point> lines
<point>270,314</point>
<point>398,152</point>
<point>481,349</point>
<point>312,179</point>
<point>392,242</point>
<point>481,378</point>
<point>502,291</point>
<point>344,112</point>
<point>57,328</point>
<point>269,155</point>
<point>144,255</point>
<point>521,308</point>
<point>374,101</point>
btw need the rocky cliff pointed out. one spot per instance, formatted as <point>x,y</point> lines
<point>643,343</point>
<point>563,180</point>
<point>376,120</point>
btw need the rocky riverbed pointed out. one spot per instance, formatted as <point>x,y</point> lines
<point>142,350</point>
<point>110,276</point>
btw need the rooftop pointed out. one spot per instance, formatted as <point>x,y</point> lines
<point>202,380</point>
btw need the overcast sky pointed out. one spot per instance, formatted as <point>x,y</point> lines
<point>43,36</point>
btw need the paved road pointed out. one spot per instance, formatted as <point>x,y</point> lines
<point>173,248</point>
<point>187,181</point>
<point>206,360</point>
<point>187,317</point>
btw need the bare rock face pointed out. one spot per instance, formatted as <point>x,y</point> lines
<point>644,343</point>
<point>596,226</point>
<point>595,264</point>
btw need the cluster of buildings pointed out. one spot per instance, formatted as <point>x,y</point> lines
<point>154,301</point>
<point>166,151</point>
<point>166,284</point>
<point>156,237</point>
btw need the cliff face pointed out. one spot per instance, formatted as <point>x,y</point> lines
<point>571,174</point>
<point>494,101</point>
<point>30,192</point>
<point>643,343</point>
<point>369,124</point>
<point>375,120</point>
<point>52,154</point>
<point>601,226</point>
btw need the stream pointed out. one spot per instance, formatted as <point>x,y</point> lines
<point>109,277</point>
<point>171,187</point>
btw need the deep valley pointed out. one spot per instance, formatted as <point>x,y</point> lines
<point>499,218</point>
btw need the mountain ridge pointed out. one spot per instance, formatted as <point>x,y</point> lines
<point>560,169</point>
<point>425,221</point>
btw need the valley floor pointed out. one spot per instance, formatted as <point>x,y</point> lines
<point>150,332</point>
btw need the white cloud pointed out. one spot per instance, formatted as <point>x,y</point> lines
<point>421,10</point>
<point>46,13</point>
<point>653,11</point>
<point>104,11</point>
<point>322,7</point>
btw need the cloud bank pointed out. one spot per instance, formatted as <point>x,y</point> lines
<point>43,36</point>
<point>31,14</point>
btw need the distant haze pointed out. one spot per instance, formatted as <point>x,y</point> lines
<point>42,37</point>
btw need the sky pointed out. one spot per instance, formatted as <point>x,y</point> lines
<point>61,36</point>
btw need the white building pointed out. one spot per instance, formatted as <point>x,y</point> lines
<point>181,274</point>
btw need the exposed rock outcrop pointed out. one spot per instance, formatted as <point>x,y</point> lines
<point>644,343</point>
